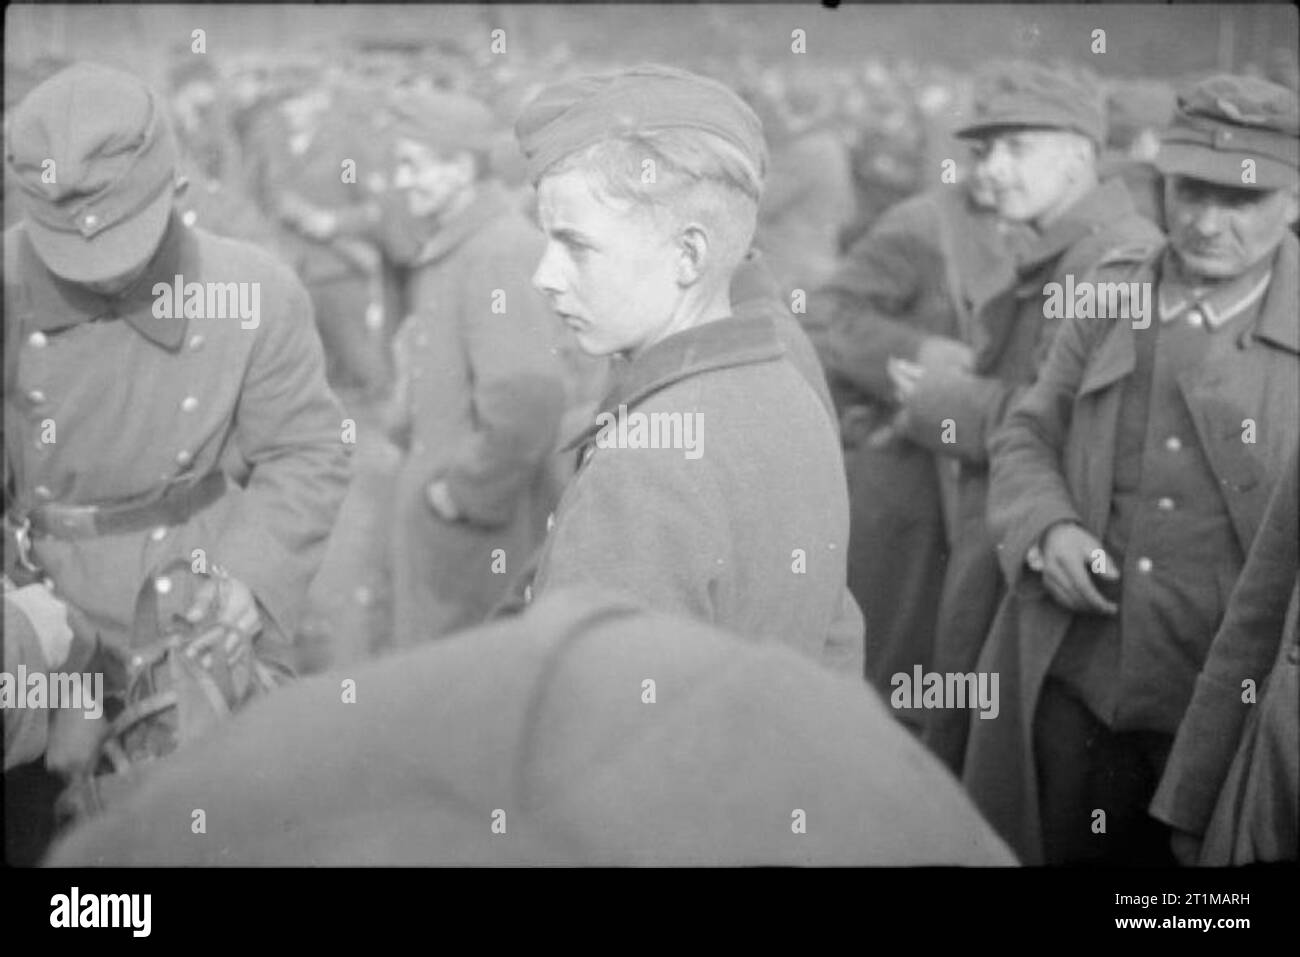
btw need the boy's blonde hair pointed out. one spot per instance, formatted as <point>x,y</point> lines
<point>683,174</point>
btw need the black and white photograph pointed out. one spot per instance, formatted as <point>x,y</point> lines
<point>684,435</point>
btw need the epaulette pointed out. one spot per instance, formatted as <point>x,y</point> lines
<point>1130,253</point>
<point>1126,258</point>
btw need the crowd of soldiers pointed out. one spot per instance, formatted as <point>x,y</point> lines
<point>914,465</point>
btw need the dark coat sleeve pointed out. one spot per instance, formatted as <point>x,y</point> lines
<point>289,429</point>
<point>869,299</point>
<point>1244,648</point>
<point>1028,492</point>
<point>974,406</point>
<point>518,395</point>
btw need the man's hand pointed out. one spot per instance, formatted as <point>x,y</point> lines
<point>440,501</point>
<point>1186,847</point>
<point>236,607</point>
<point>905,377</point>
<point>940,352</point>
<point>1069,551</point>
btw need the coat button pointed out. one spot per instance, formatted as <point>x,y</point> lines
<point>1165,504</point>
<point>196,342</point>
<point>1173,443</point>
<point>1144,565</point>
<point>183,457</point>
<point>43,491</point>
<point>37,339</point>
<point>36,396</point>
<point>189,404</point>
<point>1195,317</point>
<point>190,217</point>
<point>162,585</point>
<point>159,533</point>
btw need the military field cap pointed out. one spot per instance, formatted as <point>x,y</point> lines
<point>1026,94</point>
<point>443,120</point>
<point>1224,121</point>
<point>575,114</point>
<point>101,137</point>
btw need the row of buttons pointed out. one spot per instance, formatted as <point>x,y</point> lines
<point>38,340</point>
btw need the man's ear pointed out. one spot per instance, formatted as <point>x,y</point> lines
<point>695,252</point>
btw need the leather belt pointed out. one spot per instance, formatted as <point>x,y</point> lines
<point>174,507</point>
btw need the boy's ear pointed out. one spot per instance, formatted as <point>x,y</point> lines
<point>695,253</point>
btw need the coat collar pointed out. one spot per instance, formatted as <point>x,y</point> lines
<point>1276,321</point>
<point>715,345</point>
<point>490,203</point>
<point>55,303</point>
<point>1219,302</point>
<point>1107,203</point>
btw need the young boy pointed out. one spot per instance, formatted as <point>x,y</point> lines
<point>711,481</point>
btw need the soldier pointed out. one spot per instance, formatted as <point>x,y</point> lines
<point>903,291</point>
<point>138,431</point>
<point>743,522</point>
<point>1037,134</point>
<point>316,152</point>
<point>1231,787</point>
<point>528,741</point>
<point>482,385</point>
<point>1128,485</point>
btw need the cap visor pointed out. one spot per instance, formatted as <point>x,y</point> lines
<point>106,255</point>
<point>1226,169</point>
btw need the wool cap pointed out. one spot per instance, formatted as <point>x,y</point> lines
<point>1225,121</point>
<point>94,160</point>
<point>575,114</point>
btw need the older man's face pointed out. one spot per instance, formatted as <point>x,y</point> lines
<point>429,181</point>
<point>1028,172</point>
<point>609,270</point>
<point>1221,231</point>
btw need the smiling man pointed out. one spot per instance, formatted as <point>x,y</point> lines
<point>648,185</point>
<point>1036,131</point>
<point>1128,486</point>
<point>480,383</point>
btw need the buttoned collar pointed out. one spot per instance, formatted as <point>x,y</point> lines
<point>721,344</point>
<point>490,203</point>
<point>1107,203</point>
<point>1218,302</point>
<point>56,303</point>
